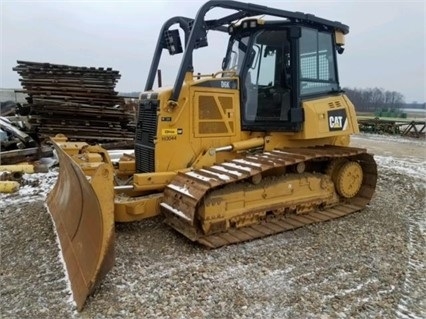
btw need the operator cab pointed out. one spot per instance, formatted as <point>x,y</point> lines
<point>280,64</point>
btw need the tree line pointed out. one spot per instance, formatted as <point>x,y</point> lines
<point>375,99</point>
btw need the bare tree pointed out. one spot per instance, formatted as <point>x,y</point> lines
<point>375,99</point>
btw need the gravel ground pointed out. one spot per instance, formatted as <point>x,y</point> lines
<point>369,264</point>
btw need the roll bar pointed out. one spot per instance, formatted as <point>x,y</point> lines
<point>195,29</point>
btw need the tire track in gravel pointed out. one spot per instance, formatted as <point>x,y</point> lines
<point>412,188</point>
<point>412,303</point>
<point>410,172</point>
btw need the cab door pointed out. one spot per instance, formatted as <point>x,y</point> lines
<point>267,95</point>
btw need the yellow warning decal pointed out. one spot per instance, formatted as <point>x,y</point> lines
<point>169,131</point>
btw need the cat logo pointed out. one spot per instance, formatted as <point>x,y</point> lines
<point>337,120</point>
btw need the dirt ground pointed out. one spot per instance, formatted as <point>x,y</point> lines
<point>370,264</point>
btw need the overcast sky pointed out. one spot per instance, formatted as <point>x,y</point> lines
<point>385,46</point>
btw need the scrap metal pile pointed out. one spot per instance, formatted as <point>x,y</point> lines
<point>404,127</point>
<point>80,102</point>
<point>18,146</point>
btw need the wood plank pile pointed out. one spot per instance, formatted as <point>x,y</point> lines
<point>80,102</point>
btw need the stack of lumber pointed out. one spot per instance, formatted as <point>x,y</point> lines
<point>80,102</point>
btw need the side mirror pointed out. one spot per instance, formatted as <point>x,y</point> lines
<point>172,42</point>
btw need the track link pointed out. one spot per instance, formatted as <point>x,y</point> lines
<point>184,195</point>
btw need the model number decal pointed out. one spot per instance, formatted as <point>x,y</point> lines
<point>225,84</point>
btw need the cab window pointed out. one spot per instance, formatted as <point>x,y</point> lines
<point>317,63</point>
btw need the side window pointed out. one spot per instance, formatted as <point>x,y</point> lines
<point>267,67</point>
<point>317,65</point>
<point>236,54</point>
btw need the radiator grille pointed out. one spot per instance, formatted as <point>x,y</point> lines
<point>214,116</point>
<point>146,131</point>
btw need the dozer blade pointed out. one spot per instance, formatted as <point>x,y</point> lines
<point>83,214</point>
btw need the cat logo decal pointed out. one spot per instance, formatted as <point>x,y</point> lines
<point>337,120</point>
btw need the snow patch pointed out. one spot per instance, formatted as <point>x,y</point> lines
<point>175,211</point>
<point>242,161</point>
<point>387,139</point>
<point>42,185</point>
<point>409,166</point>
<point>232,165</point>
<point>223,177</point>
<point>181,189</point>
<point>223,169</point>
<point>70,301</point>
<point>198,176</point>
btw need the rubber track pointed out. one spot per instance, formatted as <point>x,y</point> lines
<point>188,189</point>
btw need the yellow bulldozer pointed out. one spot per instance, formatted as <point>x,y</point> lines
<point>259,147</point>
